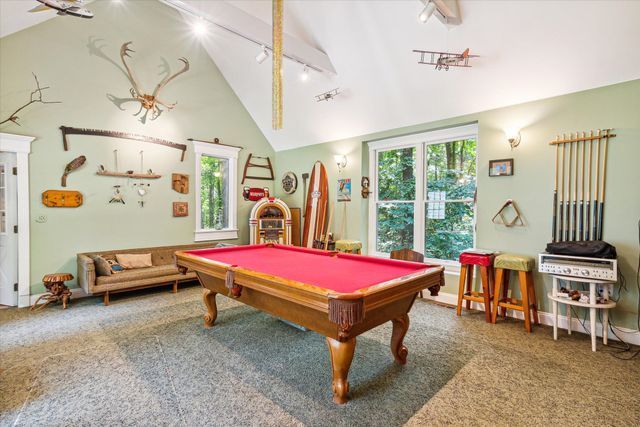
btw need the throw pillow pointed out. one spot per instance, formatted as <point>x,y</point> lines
<point>134,260</point>
<point>115,267</point>
<point>102,266</point>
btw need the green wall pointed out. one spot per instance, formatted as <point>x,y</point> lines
<point>58,52</point>
<point>616,106</point>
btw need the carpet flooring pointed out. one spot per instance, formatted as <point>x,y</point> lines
<point>148,360</point>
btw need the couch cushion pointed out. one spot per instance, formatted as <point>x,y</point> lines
<point>102,266</point>
<point>137,274</point>
<point>134,260</point>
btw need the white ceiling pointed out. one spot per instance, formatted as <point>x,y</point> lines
<point>529,49</point>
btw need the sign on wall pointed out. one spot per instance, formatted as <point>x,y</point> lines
<point>344,190</point>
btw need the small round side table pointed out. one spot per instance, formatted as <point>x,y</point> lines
<point>56,290</point>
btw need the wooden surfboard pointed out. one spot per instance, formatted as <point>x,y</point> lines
<point>316,207</point>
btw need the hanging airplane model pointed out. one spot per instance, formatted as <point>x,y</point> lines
<point>445,59</point>
<point>64,7</point>
<point>328,95</point>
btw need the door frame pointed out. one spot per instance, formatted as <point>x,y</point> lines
<point>21,145</point>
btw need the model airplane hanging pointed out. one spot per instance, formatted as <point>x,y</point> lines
<point>328,95</point>
<point>445,59</point>
<point>64,7</point>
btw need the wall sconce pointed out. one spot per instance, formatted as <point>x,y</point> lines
<point>341,161</point>
<point>513,137</point>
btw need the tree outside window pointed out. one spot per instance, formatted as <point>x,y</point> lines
<point>214,176</point>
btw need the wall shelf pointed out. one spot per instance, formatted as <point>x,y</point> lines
<point>130,175</point>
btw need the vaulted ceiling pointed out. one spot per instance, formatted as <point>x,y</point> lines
<point>529,50</point>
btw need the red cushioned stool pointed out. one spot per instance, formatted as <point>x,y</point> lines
<point>485,265</point>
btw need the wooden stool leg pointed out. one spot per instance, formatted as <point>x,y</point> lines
<point>484,274</point>
<point>463,276</point>
<point>505,292</point>
<point>524,291</point>
<point>470,271</point>
<point>496,294</point>
<point>532,297</point>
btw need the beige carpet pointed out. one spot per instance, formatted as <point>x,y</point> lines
<point>147,360</point>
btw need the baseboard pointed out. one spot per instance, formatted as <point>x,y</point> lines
<point>630,336</point>
<point>75,293</point>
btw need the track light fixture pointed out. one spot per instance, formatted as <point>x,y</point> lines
<point>304,76</point>
<point>263,55</point>
<point>427,12</point>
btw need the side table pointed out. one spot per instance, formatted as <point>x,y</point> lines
<point>591,305</point>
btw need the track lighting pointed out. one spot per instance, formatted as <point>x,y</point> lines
<point>427,12</point>
<point>304,76</point>
<point>263,55</point>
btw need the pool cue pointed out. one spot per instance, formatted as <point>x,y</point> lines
<point>595,193</point>
<point>326,236</point>
<point>581,228</point>
<point>554,222</point>
<point>567,231</point>
<point>561,225</point>
<point>604,175</point>
<point>574,231</point>
<point>588,205</point>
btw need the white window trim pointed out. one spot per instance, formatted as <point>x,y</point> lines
<point>224,152</point>
<point>418,140</point>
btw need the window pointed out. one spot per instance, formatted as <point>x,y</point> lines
<point>424,188</point>
<point>216,195</point>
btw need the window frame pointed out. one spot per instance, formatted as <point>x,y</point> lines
<point>231,155</point>
<point>419,141</point>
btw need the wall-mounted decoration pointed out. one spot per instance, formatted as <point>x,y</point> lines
<point>71,166</point>
<point>254,194</point>
<point>180,183</point>
<point>344,190</point>
<point>329,95</point>
<point>141,187</point>
<point>444,60</point>
<point>364,182</point>
<point>289,182</point>
<point>62,199</point>
<point>148,102</point>
<point>180,209</point>
<point>573,218</point>
<point>215,141</point>
<point>36,97</point>
<point>316,205</point>
<point>248,165</point>
<point>128,174</point>
<point>64,7</point>
<point>117,197</point>
<point>67,130</point>
<point>501,167</point>
<point>508,215</point>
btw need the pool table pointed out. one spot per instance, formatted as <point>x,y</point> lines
<point>337,295</point>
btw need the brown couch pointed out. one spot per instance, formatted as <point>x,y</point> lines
<point>163,271</point>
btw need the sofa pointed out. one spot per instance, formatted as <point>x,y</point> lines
<point>162,272</point>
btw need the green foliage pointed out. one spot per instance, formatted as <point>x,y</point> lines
<point>213,192</point>
<point>450,186</point>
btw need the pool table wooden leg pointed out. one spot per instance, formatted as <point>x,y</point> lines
<point>341,353</point>
<point>209,298</point>
<point>400,328</point>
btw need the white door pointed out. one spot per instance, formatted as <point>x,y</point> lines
<point>8,236</point>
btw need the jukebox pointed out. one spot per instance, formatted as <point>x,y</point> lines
<point>270,222</point>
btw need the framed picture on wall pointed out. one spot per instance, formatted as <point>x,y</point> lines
<point>501,167</point>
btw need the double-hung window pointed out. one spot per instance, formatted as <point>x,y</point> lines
<point>424,193</point>
<point>216,196</point>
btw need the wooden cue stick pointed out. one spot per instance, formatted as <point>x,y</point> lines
<point>554,221</point>
<point>581,232</point>
<point>562,199</point>
<point>574,236</point>
<point>326,237</point>
<point>588,207</point>
<point>604,174</point>
<point>597,183</point>
<point>567,231</point>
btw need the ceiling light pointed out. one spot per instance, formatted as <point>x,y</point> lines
<point>305,74</point>
<point>199,27</point>
<point>427,12</point>
<point>262,56</point>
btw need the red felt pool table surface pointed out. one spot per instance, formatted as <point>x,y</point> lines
<point>344,273</point>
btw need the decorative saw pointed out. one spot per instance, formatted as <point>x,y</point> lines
<point>444,60</point>
<point>149,102</point>
<point>64,7</point>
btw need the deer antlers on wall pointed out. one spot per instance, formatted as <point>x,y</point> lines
<point>149,102</point>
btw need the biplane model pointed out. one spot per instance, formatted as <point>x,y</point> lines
<point>444,60</point>
<point>64,7</point>
<point>328,95</point>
